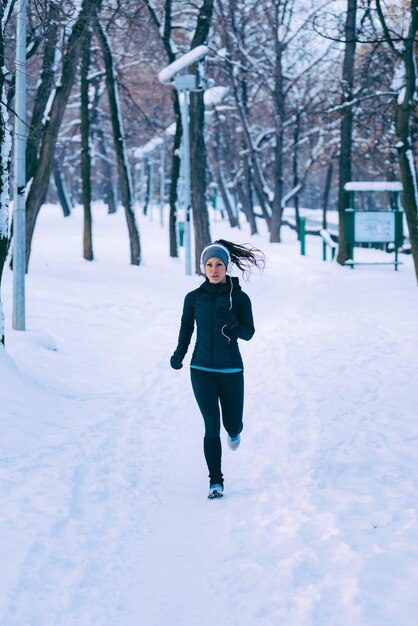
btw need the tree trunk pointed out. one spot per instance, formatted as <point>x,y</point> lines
<point>296,170</point>
<point>404,113</point>
<point>327,190</point>
<point>175,176</point>
<point>175,159</point>
<point>233,221</point>
<point>198,175</point>
<point>62,191</point>
<point>44,164</point>
<point>197,143</point>
<point>279,116</point>
<point>120,146</point>
<point>5,148</point>
<point>277,209</point>
<point>346,124</point>
<point>109,193</point>
<point>147,170</point>
<point>245,190</point>
<point>244,195</point>
<point>410,201</point>
<point>85,148</point>
<point>248,192</point>
<point>105,161</point>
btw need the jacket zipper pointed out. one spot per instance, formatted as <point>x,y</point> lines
<point>212,331</point>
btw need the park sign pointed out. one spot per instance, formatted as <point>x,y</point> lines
<point>374,226</point>
<point>369,225</point>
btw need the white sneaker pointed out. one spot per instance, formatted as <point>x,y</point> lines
<point>215,491</point>
<point>233,442</point>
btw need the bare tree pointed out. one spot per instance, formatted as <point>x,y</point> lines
<point>164,27</point>
<point>175,158</point>
<point>51,53</point>
<point>120,145</point>
<point>215,147</point>
<point>103,153</point>
<point>45,161</point>
<point>62,191</point>
<point>5,147</point>
<point>85,146</point>
<point>404,46</point>
<point>235,61</point>
<point>346,143</point>
<point>268,58</point>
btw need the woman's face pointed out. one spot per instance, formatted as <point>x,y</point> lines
<point>215,270</point>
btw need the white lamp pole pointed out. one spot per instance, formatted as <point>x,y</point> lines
<point>181,86</point>
<point>185,83</point>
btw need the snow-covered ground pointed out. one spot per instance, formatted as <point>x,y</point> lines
<point>104,515</point>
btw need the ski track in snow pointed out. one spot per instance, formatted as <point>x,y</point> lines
<point>106,522</point>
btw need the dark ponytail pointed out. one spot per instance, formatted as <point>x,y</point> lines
<point>244,256</point>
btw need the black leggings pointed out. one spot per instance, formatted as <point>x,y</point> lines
<point>210,390</point>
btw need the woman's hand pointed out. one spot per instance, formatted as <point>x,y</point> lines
<point>175,361</point>
<point>231,326</point>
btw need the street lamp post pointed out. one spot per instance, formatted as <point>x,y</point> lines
<point>185,83</point>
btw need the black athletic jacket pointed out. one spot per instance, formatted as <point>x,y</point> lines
<point>213,306</point>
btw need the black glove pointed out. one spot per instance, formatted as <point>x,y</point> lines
<point>232,326</point>
<point>176,361</point>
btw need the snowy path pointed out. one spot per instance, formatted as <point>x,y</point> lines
<point>105,519</point>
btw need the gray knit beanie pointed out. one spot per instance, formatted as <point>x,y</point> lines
<point>215,250</point>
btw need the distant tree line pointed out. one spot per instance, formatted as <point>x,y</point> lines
<point>300,97</point>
